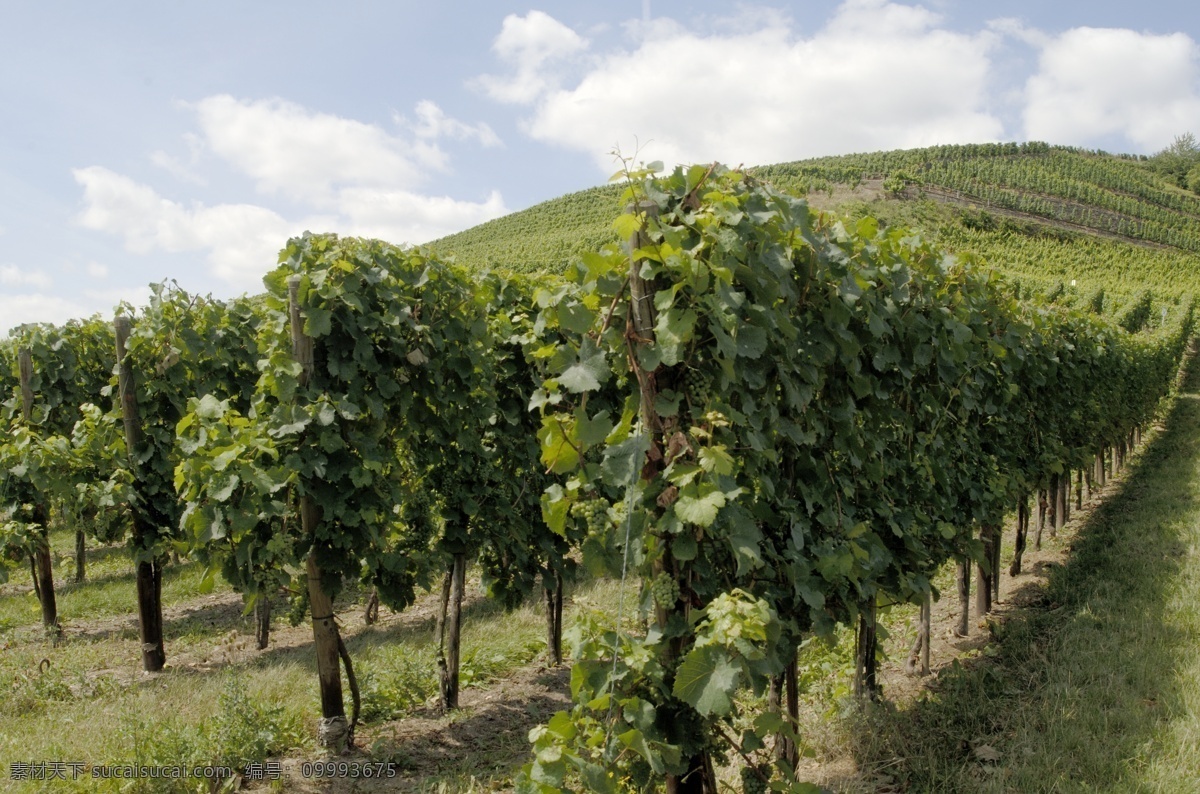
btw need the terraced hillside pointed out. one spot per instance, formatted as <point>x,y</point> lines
<point>1047,216</point>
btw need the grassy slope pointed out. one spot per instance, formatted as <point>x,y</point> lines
<point>542,238</point>
<point>1039,250</point>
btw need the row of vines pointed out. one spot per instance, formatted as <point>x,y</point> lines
<point>772,422</point>
<point>1093,190</point>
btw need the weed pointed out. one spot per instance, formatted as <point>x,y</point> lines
<point>245,731</point>
<point>389,693</point>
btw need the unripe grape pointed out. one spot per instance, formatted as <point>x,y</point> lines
<point>751,782</point>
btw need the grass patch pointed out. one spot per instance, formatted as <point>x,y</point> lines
<point>1097,686</point>
<point>84,699</point>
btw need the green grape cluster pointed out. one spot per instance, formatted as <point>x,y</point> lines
<point>665,590</point>
<point>696,385</point>
<point>619,512</point>
<point>298,607</point>
<point>594,513</point>
<point>751,782</point>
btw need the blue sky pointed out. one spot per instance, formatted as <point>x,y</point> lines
<point>150,141</point>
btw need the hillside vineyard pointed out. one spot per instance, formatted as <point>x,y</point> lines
<point>764,420</point>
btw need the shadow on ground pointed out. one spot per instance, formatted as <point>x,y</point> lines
<point>1077,684</point>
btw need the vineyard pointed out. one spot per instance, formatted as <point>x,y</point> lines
<point>689,440</point>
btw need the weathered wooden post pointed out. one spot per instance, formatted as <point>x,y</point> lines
<point>149,570</point>
<point>641,335</point>
<point>552,583</point>
<point>866,682</point>
<point>80,556</point>
<point>964,597</point>
<point>333,732</point>
<point>262,621</point>
<point>449,661</point>
<point>783,698</point>
<point>1059,495</point>
<point>918,655</point>
<point>983,576</point>
<point>1022,534</point>
<point>43,565</point>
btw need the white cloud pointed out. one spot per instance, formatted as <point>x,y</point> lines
<point>1094,82</point>
<point>290,150</point>
<point>13,276</point>
<point>879,76</point>
<point>18,309</point>
<point>242,240</point>
<point>96,270</point>
<point>529,44</point>
<point>401,216</point>
<point>39,307</point>
<point>1017,29</point>
<point>433,123</point>
<point>176,168</point>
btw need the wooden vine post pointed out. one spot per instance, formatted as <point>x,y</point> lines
<point>1066,486</point>
<point>262,621</point>
<point>1043,506</point>
<point>80,556</point>
<point>964,598</point>
<point>450,648</point>
<point>997,546</point>
<point>1022,533</point>
<point>866,681</point>
<point>553,586</point>
<point>333,730</point>
<point>918,655</point>
<point>639,334</point>
<point>149,568</point>
<point>42,564</point>
<point>985,571</point>
<point>1060,505</point>
<point>783,697</point>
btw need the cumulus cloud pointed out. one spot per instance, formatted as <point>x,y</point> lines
<point>243,240</point>
<point>433,123</point>
<point>36,306</point>
<point>532,46</point>
<point>879,75</point>
<point>1093,82</point>
<point>347,176</point>
<point>290,150</point>
<point>403,216</point>
<point>176,168</point>
<point>19,309</point>
<point>13,276</point>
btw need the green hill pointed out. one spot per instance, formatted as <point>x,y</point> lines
<point>1054,219</point>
